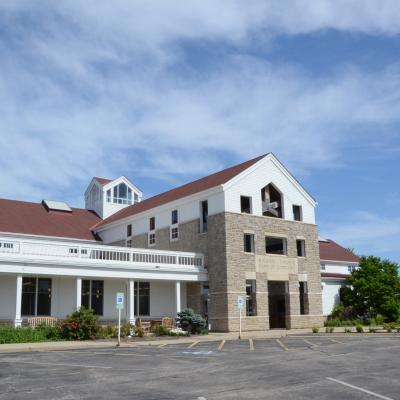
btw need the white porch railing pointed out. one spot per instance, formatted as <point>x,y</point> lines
<point>101,253</point>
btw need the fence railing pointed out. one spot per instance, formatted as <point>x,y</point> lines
<point>101,253</point>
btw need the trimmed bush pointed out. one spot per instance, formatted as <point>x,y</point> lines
<point>80,325</point>
<point>347,330</point>
<point>315,329</point>
<point>359,329</point>
<point>191,322</point>
<point>329,329</point>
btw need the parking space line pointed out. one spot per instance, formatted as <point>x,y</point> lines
<point>161,345</point>
<point>251,345</point>
<point>310,343</point>
<point>192,345</point>
<point>379,396</point>
<point>336,341</point>
<point>220,347</point>
<point>282,345</point>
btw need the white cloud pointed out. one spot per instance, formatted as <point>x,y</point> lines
<point>100,88</point>
<point>368,233</point>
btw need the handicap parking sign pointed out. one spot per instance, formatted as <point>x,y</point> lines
<point>240,301</point>
<point>120,300</point>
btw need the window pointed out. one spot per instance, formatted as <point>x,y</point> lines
<point>73,250</point>
<point>152,239</point>
<point>272,202</point>
<point>203,216</point>
<point>301,248</point>
<point>323,267</point>
<point>251,298</point>
<point>129,230</point>
<point>36,296</point>
<point>129,243</point>
<point>152,223</point>
<point>350,268</point>
<point>248,239</point>
<point>275,245</point>
<point>142,298</point>
<point>303,298</point>
<point>245,204</point>
<point>84,251</point>
<point>174,233</point>
<point>92,295</point>
<point>174,217</point>
<point>297,213</point>
<point>122,194</point>
<point>205,290</point>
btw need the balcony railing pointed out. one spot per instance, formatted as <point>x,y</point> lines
<point>101,253</point>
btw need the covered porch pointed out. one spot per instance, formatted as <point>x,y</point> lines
<point>56,281</point>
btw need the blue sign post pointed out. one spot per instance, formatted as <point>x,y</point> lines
<point>120,306</point>
<point>240,302</point>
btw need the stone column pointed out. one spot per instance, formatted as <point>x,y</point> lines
<point>78,293</point>
<point>293,298</point>
<point>18,300</point>
<point>131,296</point>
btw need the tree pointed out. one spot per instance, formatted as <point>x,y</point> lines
<point>375,288</point>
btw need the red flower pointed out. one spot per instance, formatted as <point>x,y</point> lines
<point>74,325</point>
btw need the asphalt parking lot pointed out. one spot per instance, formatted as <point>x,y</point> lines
<point>293,367</point>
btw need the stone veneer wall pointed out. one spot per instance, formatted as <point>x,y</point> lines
<point>242,266</point>
<point>229,266</point>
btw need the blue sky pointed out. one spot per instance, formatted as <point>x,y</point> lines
<point>165,92</point>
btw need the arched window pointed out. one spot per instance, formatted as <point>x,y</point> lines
<point>272,201</point>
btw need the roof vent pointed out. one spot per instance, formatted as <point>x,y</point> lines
<point>52,205</point>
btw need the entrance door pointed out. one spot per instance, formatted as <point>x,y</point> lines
<point>277,305</point>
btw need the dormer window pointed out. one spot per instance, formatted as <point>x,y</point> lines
<point>120,194</point>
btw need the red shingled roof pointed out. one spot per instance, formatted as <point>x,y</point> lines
<point>331,251</point>
<point>102,181</point>
<point>208,182</point>
<point>33,219</point>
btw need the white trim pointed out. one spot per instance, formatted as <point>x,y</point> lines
<point>339,262</point>
<point>44,237</point>
<point>271,157</point>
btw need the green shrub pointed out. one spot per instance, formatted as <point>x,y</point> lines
<point>191,322</point>
<point>342,323</point>
<point>139,331</point>
<point>377,320</point>
<point>389,326</point>
<point>372,330</point>
<point>160,330</point>
<point>359,328</point>
<point>329,329</point>
<point>127,330</point>
<point>80,325</point>
<point>348,330</point>
<point>10,334</point>
<point>315,329</point>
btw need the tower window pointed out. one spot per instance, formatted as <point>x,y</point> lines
<point>245,204</point>
<point>297,213</point>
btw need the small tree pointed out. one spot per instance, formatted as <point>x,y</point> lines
<point>191,322</point>
<point>375,288</point>
<point>80,325</point>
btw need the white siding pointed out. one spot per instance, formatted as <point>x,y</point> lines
<point>8,287</point>
<point>188,210</point>
<point>251,183</point>
<point>330,294</point>
<point>337,268</point>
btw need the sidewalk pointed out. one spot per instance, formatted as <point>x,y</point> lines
<point>135,342</point>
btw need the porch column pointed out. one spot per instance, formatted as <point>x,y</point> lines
<point>18,299</point>
<point>78,294</point>
<point>131,296</point>
<point>178,296</point>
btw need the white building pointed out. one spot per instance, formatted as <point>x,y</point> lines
<point>336,266</point>
<point>168,251</point>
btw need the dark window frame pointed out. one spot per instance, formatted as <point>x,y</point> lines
<point>246,204</point>
<point>282,252</point>
<point>38,300</point>
<point>152,223</point>
<point>301,247</point>
<point>248,243</point>
<point>297,212</point>
<point>129,230</point>
<point>251,303</point>
<point>89,298</point>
